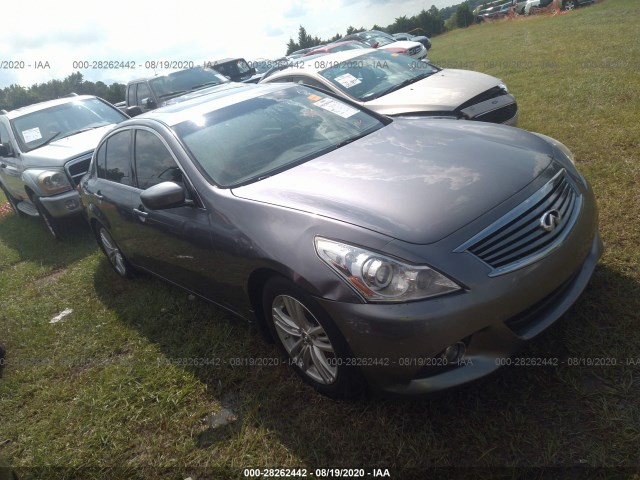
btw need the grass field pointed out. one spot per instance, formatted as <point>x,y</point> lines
<point>104,393</point>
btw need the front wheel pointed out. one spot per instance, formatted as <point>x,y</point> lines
<point>110,248</point>
<point>314,346</point>
<point>569,4</point>
<point>52,224</point>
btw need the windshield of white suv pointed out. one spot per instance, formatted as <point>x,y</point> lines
<point>375,74</point>
<point>264,135</point>
<point>41,127</point>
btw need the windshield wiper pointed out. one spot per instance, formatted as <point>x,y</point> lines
<point>202,85</point>
<point>172,94</point>
<point>400,85</point>
<point>352,139</point>
<point>49,140</point>
<point>86,129</point>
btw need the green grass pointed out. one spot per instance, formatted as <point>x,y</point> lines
<point>102,393</point>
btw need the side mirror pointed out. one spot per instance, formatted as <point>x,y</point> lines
<point>133,111</point>
<point>163,195</point>
<point>149,103</point>
<point>5,150</point>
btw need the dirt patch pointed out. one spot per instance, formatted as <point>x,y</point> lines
<point>50,278</point>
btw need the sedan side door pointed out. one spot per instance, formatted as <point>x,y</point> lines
<point>111,185</point>
<point>174,243</point>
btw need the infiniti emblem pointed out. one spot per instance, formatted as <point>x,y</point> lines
<point>550,220</point>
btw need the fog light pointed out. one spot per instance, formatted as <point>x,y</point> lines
<point>71,204</point>
<point>454,353</point>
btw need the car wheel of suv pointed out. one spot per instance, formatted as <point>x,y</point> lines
<point>110,248</point>
<point>12,201</point>
<point>314,346</point>
<point>51,223</point>
<point>569,4</point>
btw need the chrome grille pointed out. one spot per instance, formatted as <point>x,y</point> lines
<point>500,115</point>
<point>77,168</point>
<point>414,50</point>
<point>519,238</point>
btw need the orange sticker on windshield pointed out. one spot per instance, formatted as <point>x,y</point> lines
<point>314,98</point>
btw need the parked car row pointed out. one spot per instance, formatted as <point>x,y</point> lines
<point>523,7</point>
<point>368,208</point>
<point>531,6</point>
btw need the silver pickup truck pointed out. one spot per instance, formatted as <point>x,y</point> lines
<point>45,149</point>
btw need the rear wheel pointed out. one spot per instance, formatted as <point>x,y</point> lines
<point>314,346</point>
<point>110,248</point>
<point>569,4</point>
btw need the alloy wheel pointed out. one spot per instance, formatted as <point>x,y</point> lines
<point>304,339</point>
<point>113,252</point>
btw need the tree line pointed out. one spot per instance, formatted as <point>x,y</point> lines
<point>430,23</point>
<point>16,96</point>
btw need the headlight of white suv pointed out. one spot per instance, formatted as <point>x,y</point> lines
<point>379,278</point>
<point>53,181</point>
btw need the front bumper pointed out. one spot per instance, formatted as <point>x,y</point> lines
<point>62,205</point>
<point>395,345</point>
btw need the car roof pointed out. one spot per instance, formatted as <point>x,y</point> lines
<point>18,112</point>
<point>225,95</point>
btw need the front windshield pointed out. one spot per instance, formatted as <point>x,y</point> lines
<point>267,134</point>
<point>380,39</point>
<point>262,66</point>
<point>185,81</point>
<point>347,46</point>
<point>376,73</point>
<point>44,126</point>
<point>234,69</point>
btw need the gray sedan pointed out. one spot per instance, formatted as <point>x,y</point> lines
<point>394,84</point>
<point>399,255</point>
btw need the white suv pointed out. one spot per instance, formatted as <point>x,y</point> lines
<point>44,151</point>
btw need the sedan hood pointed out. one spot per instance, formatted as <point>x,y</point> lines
<point>443,91</point>
<point>57,153</point>
<point>413,180</point>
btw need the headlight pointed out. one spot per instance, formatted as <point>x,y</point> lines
<point>503,86</point>
<point>560,146</point>
<point>52,182</point>
<point>379,278</point>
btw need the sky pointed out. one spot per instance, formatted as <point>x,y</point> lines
<point>42,40</point>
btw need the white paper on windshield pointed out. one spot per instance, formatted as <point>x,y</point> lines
<point>339,108</point>
<point>31,135</point>
<point>347,80</point>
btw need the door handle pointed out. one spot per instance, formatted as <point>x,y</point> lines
<point>141,214</point>
<point>98,195</point>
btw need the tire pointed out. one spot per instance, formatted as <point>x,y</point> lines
<point>569,5</point>
<point>314,346</point>
<point>12,201</point>
<point>111,250</point>
<point>52,224</point>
